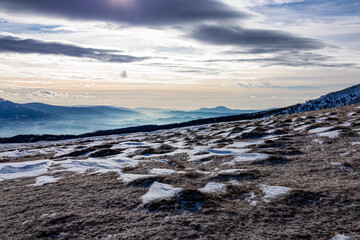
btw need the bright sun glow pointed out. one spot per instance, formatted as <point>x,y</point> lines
<point>121,3</point>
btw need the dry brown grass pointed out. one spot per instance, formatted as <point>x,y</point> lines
<point>325,199</point>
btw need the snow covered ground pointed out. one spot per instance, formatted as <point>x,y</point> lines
<point>283,162</point>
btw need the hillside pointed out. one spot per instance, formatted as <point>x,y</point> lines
<point>291,176</point>
<point>12,111</point>
<point>40,118</point>
<point>347,96</point>
<point>81,112</point>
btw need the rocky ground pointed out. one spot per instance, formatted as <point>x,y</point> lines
<point>285,177</point>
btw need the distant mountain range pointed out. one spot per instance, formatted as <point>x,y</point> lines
<point>80,112</point>
<point>36,118</point>
<point>40,118</point>
<point>14,111</point>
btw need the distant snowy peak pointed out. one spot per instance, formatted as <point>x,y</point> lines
<point>347,96</point>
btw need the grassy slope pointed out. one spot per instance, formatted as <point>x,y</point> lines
<point>325,199</point>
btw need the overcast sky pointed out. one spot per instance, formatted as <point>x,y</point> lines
<point>179,54</point>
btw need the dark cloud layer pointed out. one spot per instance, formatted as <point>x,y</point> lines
<point>18,45</point>
<point>267,40</point>
<point>291,59</point>
<point>135,12</point>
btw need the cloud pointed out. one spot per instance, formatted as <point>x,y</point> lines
<point>256,51</point>
<point>243,85</point>
<point>21,28</point>
<point>52,94</point>
<point>123,74</point>
<point>317,8</point>
<point>134,12</point>
<point>271,40</point>
<point>269,2</point>
<point>291,59</point>
<point>19,45</point>
<point>46,93</point>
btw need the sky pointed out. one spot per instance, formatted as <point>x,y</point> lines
<point>177,54</point>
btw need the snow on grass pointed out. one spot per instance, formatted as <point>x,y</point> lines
<point>302,127</point>
<point>48,215</point>
<point>242,155</point>
<point>164,171</point>
<point>268,122</point>
<point>340,237</point>
<point>332,134</point>
<point>271,137</point>
<point>248,129</point>
<point>222,132</point>
<point>158,191</point>
<point>64,151</point>
<point>336,163</point>
<point>347,124</point>
<point>318,141</point>
<point>250,199</point>
<point>220,151</point>
<point>178,144</point>
<point>98,165</point>
<point>12,154</point>
<point>44,180</point>
<point>272,192</point>
<point>245,144</point>
<point>319,129</point>
<point>214,187</point>
<point>323,119</point>
<point>19,153</point>
<point>355,143</point>
<point>128,178</point>
<point>234,170</point>
<point>200,157</point>
<point>23,169</point>
<point>234,182</point>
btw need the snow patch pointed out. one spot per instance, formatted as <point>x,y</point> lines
<point>318,141</point>
<point>159,191</point>
<point>335,163</point>
<point>302,127</point>
<point>98,165</point>
<point>128,178</point>
<point>323,119</point>
<point>242,155</point>
<point>272,192</point>
<point>245,144</point>
<point>23,169</point>
<point>231,171</point>
<point>163,171</point>
<point>340,237</point>
<point>44,180</point>
<point>332,134</point>
<point>250,199</point>
<point>319,129</point>
<point>214,187</point>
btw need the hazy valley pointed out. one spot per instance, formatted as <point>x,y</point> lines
<point>263,178</point>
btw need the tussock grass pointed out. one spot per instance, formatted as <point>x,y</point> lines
<point>324,199</point>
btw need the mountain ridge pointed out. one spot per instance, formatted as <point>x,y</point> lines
<point>335,99</point>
